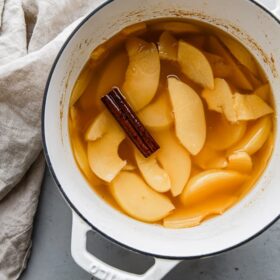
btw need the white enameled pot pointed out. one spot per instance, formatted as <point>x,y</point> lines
<point>256,28</point>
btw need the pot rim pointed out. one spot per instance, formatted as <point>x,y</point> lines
<point>59,186</point>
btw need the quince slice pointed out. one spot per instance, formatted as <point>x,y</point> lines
<point>250,107</point>
<point>222,134</point>
<point>190,125</point>
<point>168,47</point>
<point>154,175</point>
<point>209,158</point>
<point>240,161</point>
<point>170,152</point>
<point>81,85</point>
<point>211,183</point>
<point>157,115</point>
<point>220,99</point>
<point>240,53</point>
<point>195,65</point>
<point>220,68</point>
<point>255,137</point>
<point>194,216</point>
<point>104,137</point>
<point>142,74</point>
<point>138,200</point>
<point>263,92</point>
<point>237,76</point>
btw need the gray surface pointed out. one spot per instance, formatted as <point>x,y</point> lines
<point>51,259</point>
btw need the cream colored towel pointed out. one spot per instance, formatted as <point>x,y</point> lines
<point>31,34</point>
<point>1,10</point>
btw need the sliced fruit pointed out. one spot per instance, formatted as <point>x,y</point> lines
<point>195,65</point>
<point>235,107</point>
<point>175,27</point>
<point>193,216</point>
<point>268,147</point>
<point>237,76</point>
<point>250,107</point>
<point>135,29</point>
<point>138,200</point>
<point>126,152</point>
<point>220,99</point>
<point>189,116</point>
<point>259,166</point>
<point>158,115</point>
<point>142,74</point>
<point>221,134</point>
<point>79,151</point>
<point>87,100</point>
<point>209,158</point>
<point>82,160</point>
<point>80,85</point>
<point>75,117</point>
<point>98,53</point>
<point>99,126</point>
<point>111,77</point>
<point>263,92</point>
<point>168,46</point>
<point>254,80</point>
<point>79,119</point>
<point>240,161</point>
<point>220,68</point>
<point>255,137</point>
<point>103,156</point>
<point>174,159</point>
<point>211,183</point>
<point>154,175</point>
<point>264,153</point>
<point>240,53</point>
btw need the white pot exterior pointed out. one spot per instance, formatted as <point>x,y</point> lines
<point>254,213</point>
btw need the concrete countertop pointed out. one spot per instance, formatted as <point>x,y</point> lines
<point>51,259</point>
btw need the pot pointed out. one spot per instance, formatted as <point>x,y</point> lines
<point>253,25</point>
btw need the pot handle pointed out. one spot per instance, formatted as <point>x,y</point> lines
<point>103,271</point>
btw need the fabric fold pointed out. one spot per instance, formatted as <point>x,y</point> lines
<point>17,211</point>
<point>31,35</point>
<point>12,32</point>
<point>1,11</point>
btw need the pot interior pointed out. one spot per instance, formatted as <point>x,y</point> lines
<point>246,21</point>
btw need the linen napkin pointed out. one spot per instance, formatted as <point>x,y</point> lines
<point>31,34</point>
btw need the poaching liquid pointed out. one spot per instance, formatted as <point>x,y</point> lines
<point>203,98</point>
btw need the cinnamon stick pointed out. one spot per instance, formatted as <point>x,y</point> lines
<point>127,119</point>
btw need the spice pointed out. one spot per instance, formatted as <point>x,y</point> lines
<point>127,119</point>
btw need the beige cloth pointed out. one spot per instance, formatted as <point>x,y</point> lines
<point>31,34</point>
<point>1,10</point>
